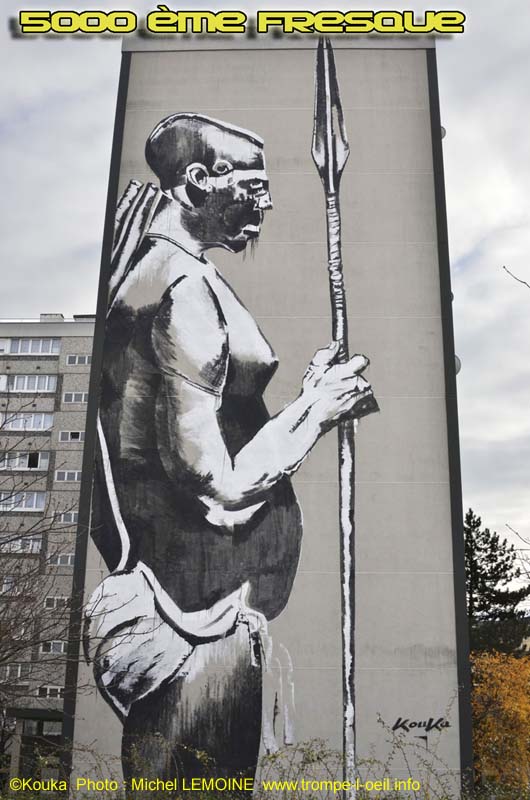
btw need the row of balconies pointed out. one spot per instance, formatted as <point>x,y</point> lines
<point>35,347</point>
<point>37,386</point>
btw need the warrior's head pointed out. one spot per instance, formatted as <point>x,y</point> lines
<point>216,172</point>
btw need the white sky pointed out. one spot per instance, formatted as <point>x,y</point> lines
<point>56,120</point>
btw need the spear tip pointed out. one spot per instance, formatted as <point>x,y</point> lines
<point>330,147</point>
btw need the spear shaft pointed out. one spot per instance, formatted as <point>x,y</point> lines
<point>346,442</point>
<point>330,152</point>
<point>346,446</point>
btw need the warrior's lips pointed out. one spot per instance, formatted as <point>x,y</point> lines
<point>251,231</point>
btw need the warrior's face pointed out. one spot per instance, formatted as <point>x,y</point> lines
<point>230,204</point>
<point>216,173</point>
<point>240,207</point>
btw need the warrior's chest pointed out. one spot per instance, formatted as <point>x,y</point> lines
<point>252,361</point>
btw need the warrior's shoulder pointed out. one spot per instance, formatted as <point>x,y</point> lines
<point>189,332</point>
<point>160,269</point>
<point>191,302</point>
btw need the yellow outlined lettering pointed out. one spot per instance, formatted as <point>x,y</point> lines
<point>167,21</point>
<point>34,21</point>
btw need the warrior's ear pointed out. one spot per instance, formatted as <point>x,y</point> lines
<point>198,183</point>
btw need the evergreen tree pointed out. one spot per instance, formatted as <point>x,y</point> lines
<point>495,620</point>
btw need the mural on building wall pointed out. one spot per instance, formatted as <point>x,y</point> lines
<point>193,508</point>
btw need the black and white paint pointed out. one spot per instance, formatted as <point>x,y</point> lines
<point>193,509</point>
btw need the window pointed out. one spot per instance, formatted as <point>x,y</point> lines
<point>80,360</point>
<point>52,728</point>
<point>75,397</point>
<point>71,436</point>
<point>54,603</point>
<point>68,476</point>
<point>22,501</point>
<point>50,691</point>
<point>21,544</point>
<point>21,421</point>
<point>20,632</point>
<point>53,648</point>
<point>31,727</point>
<point>22,460</point>
<point>34,459</point>
<point>35,347</point>
<point>9,584</point>
<point>15,671</point>
<point>68,517</point>
<point>28,383</point>
<point>62,560</point>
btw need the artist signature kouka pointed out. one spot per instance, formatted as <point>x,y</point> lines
<point>431,724</point>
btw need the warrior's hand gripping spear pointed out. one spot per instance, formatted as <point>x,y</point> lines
<point>330,152</point>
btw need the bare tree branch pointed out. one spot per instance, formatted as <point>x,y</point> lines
<point>525,541</point>
<point>35,586</point>
<point>519,280</point>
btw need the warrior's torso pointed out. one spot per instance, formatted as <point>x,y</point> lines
<point>196,562</point>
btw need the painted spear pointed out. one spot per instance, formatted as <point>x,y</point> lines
<point>330,152</point>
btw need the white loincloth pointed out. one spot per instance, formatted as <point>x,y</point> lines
<point>138,638</point>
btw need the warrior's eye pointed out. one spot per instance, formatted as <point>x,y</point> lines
<point>222,167</point>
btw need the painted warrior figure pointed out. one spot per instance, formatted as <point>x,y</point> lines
<point>193,510</point>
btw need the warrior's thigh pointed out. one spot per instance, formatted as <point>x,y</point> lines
<point>212,707</point>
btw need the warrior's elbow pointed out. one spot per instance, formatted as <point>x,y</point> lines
<point>228,501</point>
<point>233,490</point>
<point>221,511</point>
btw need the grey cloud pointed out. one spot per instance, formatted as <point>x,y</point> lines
<point>57,116</point>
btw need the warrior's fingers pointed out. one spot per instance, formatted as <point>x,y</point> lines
<point>358,363</point>
<point>350,401</point>
<point>325,356</point>
<point>351,369</point>
<point>350,390</point>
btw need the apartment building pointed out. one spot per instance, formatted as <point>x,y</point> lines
<point>44,378</point>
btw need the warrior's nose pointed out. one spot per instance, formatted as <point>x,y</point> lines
<point>264,202</point>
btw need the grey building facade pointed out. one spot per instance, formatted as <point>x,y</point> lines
<point>406,614</point>
<point>44,375</point>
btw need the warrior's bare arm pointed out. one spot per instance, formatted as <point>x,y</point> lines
<point>188,429</point>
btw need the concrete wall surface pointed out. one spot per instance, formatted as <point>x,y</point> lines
<point>404,617</point>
